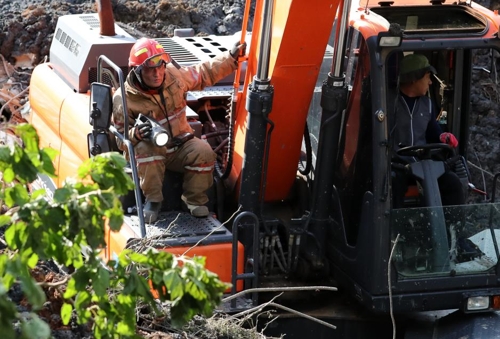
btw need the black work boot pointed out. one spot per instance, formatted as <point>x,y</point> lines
<point>151,210</point>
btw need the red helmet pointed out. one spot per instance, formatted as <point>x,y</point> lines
<point>149,53</point>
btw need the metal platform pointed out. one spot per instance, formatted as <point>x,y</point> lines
<point>176,228</point>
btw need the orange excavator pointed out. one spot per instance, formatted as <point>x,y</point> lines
<point>302,194</point>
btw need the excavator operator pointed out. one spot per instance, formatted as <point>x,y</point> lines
<point>414,124</point>
<point>156,87</point>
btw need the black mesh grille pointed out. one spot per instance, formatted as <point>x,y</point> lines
<point>106,78</point>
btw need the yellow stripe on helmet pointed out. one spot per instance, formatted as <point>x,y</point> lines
<point>142,50</point>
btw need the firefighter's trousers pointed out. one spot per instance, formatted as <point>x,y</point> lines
<point>195,159</point>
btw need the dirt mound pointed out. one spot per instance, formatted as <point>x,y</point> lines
<point>28,26</point>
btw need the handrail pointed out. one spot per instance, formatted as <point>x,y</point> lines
<point>124,137</point>
<point>255,256</point>
<point>492,229</point>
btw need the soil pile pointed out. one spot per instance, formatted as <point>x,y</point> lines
<point>28,26</point>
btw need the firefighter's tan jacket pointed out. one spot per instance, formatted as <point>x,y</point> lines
<point>177,82</point>
<point>195,158</point>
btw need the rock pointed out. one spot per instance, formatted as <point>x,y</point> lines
<point>222,30</point>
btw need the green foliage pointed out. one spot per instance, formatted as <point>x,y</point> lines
<point>104,295</point>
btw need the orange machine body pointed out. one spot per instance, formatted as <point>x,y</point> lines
<point>218,255</point>
<point>61,117</point>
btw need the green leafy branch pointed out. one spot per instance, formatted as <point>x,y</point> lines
<point>104,295</point>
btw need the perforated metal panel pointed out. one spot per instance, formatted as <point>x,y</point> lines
<point>178,52</point>
<point>179,224</point>
<point>214,92</point>
<point>180,228</point>
<point>106,78</point>
<point>91,20</point>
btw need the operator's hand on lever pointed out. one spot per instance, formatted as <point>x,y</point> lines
<point>238,49</point>
<point>142,131</point>
<point>448,138</point>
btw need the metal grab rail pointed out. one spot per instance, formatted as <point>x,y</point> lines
<point>124,137</point>
<point>492,229</point>
<point>235,277</point>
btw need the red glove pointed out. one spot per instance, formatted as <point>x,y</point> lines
<point>448,138</point>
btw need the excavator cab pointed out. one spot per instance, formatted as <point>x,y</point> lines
<point>438,239</point>
<point>432,256</point>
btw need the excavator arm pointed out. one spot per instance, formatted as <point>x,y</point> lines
<point>289,39</point>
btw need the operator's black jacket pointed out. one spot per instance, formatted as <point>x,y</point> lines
<point>414,123</point>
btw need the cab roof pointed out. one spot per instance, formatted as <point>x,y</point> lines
<point>426,19</point>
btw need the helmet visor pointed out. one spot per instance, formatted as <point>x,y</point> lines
<point>157,60</point>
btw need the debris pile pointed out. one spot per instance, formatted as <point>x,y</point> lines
<point>27,28</point>
<point>14,86</point>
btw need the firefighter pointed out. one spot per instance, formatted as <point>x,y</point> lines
<point>415,124</point>
<point>156,87</point>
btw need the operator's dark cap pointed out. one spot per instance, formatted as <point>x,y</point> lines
<point>413,67</point>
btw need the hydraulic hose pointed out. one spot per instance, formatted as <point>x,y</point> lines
<point>223,174</point>
<point>307,141</point>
